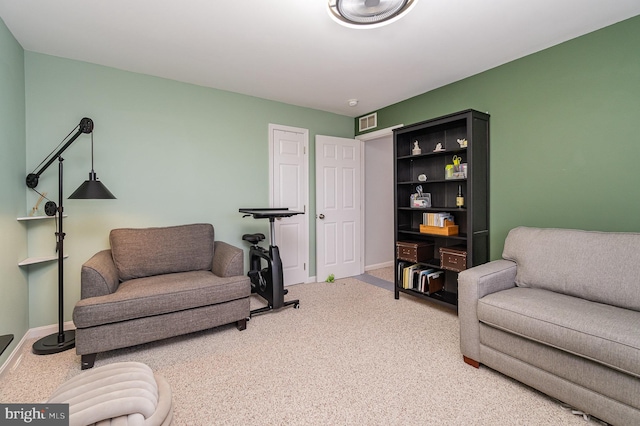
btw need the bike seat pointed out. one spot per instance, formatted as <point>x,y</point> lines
<point>253,238</point>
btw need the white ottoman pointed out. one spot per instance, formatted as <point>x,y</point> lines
<point>124,393</point>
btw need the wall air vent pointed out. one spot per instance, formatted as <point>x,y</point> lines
<point>368,122</point>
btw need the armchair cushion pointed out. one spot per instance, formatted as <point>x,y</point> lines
<point>139,253</point>
<point>158,295</point>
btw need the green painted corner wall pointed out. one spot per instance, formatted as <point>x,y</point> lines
<point>14,306</point>
<point>564,133</point>
<point>171,152</point>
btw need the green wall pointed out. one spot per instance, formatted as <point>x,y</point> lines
<point>564,132</point>
<point>13,244</point>
<point>172,153</point>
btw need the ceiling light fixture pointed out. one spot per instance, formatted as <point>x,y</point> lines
<point>368,13</point>
<point>352,102</point>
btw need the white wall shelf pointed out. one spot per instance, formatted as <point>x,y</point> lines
<point>21,219</point>
<point>38,259</point>
<point>42,259</point>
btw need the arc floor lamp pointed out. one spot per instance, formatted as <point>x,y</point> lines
<point>90,189</point>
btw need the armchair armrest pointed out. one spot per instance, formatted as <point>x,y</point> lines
<point>228,260</point>
<point>98,276</point>
<point>473,284</point>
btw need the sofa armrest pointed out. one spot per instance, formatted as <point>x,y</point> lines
<point>98,276</point>
<point>228,260</point>
<point>473,284</point>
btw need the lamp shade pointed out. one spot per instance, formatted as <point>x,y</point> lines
<point>92,189</point>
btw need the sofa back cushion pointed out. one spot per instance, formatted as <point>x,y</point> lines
<point>144,252</point>
<point>598,266</point>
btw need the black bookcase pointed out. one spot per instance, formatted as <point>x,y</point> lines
<point>472,219</point>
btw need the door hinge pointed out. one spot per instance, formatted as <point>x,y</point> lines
<point>304,266</point>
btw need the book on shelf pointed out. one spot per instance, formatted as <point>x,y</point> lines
<point>436,219</point>
<point>434,281</point>
<point>400,272</point>
<point>424,279</point>
<point>416,276</point>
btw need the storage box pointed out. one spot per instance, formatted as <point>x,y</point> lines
<point>415,251</point>
<point>448,229</point>
<point>453,258</point>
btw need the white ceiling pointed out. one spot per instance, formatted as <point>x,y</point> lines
<point>292,51</point>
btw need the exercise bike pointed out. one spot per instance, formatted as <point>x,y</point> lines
<point>265,266</point>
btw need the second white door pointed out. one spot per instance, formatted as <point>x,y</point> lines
<point>338,207</point>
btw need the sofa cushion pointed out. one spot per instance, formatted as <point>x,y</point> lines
<point>599,266</point>
<point>146,252</point>
<point>602,333</point>
<point>157,295</point>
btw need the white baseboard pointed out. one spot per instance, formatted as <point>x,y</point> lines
<point>33,333</point>
<point>378,265</point>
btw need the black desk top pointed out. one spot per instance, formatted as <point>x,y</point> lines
<point>268,213</point>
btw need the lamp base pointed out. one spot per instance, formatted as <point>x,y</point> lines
<point>49,345</point>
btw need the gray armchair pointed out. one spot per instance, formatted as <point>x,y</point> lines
<point>156,283</point>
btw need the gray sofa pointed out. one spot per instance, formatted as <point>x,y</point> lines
<point>561,313</point>
<point>156,283</point>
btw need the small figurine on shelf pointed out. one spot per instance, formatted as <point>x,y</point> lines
<point>35,210</point>
<point>438,147</point>
<point>462,143</point>
<point>416,149</point>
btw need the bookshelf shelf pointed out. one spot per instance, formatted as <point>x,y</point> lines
<point>472,219</point>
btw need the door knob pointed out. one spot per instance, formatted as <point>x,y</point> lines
<point>321,216</point>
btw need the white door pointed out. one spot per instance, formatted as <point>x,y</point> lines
<point>289,188</point>
<point>338,207</point>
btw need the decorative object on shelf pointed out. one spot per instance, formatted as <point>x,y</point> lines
<point>462,143</point>
<point>416,149</point>
<point>420,199</point>
<point>460,197</point>
<point>456,170</point>
<point>91,188</point>
<point>438,147</point>
<point>463,170</point>
<point>422,178</point>
<point>448,171</point>
<point>35,209</point>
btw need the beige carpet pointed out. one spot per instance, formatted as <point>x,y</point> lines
<point>351,355</point>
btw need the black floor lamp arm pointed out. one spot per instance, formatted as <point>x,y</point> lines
<point>85,126</point>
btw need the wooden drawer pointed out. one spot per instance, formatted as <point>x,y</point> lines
<point>415,251</point>
<point>453,258</point>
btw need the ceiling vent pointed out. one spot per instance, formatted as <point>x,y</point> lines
<point>368,122</point>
